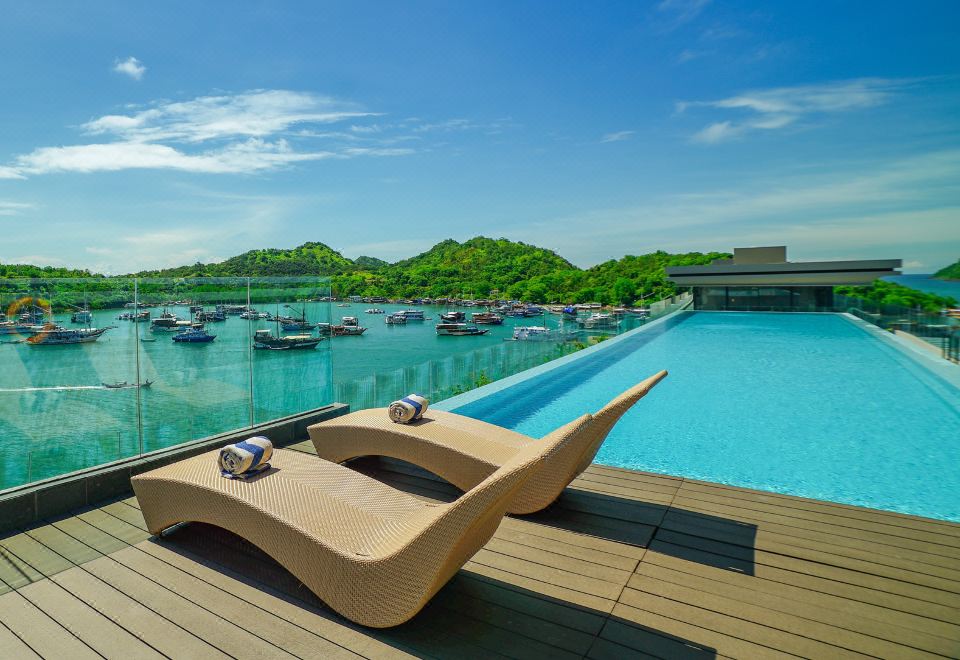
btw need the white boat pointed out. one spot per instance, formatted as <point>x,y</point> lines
<point>531,333</point>
<point>598,320</point>
<point>373,310</point>
<point>411,314</point>
<point>395,319</point>
<point>349,327</point>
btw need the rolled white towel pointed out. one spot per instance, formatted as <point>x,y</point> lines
<point>247,458</point>
<point>408,409</point>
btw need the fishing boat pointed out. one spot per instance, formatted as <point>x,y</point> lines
<point>119,385</point>
<point>453,317</point>
<point>207,316</point>
<point>8,328</point>
<point>395,319</point>
<point>167,321</point>
<point>193,335</point>
<point>349,327</point>
<point>531,333</point>
<point>459,330</point>
<point>51,334</point>
<point>373,310</point>
<point>266,340</point>
<point>81,316</point>
<point>486,318</point>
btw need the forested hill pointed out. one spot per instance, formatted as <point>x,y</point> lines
<point>49,272</point>
<point>951,272</point>
<point>306,259</point>
<point>480,267</point>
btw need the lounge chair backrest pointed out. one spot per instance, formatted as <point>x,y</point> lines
<point>466,524</point>
<point>610,414</point>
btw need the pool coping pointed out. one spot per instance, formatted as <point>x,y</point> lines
<point>492,388</point>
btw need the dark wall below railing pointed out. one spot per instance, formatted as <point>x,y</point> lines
<point>27,505</point>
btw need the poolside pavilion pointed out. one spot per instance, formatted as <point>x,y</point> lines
<point>761,278</point>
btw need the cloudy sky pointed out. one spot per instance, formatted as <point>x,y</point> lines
<point>137,135</point>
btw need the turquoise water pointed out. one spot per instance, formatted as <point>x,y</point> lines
<point>804,404</point>
<point>55,416</point>
<point>928,284</point>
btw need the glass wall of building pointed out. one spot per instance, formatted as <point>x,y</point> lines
<point>760,298</point>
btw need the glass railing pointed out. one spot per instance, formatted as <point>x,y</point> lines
<point>94,370</point>
<point>939,330</point>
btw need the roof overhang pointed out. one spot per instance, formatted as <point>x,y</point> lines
<point>811,273</point>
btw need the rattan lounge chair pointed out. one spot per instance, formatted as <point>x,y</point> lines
<point>374,554</point>
<point>465,451</point>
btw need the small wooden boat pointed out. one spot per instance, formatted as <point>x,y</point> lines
<point>459,330</point>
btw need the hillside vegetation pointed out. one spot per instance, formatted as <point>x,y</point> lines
<point>951,272</point>
<point>890,293</point>
<point>478,268</point>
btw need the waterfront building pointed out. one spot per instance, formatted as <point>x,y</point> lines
<point>761,278</point>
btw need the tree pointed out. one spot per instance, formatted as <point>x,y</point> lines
<point>624,291</point>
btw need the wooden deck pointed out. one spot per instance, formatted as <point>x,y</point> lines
<point>626,564</point>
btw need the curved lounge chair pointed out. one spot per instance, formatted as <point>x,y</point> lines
<point>374,554</point>
<point>465,451</point>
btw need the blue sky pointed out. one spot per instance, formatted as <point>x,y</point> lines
<point>137,135</point>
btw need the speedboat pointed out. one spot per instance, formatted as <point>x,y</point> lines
<point>459,329</point>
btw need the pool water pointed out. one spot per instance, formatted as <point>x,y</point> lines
<point>803,404</point>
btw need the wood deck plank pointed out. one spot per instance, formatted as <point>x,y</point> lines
<point>623,564</point>
<point>771,617</point>
<point>41,633</point>
<point>886,626</point>
<point>97,631</point>
<point>752,535</point>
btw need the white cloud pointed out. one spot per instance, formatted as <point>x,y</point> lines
<point>13,208</point>
<point>242,157</point>
<point>257,113</point>
<point>682,11</point>
<point>617,137</point>
<point>780,107</point>
<point>130,67</point>
<point>224,134</point>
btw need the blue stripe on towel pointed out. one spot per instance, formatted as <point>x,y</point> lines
<point>256,450</point>
<point>415,404</point>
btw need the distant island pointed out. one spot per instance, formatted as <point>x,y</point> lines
<point>478,268</point>
<point>951,272</point>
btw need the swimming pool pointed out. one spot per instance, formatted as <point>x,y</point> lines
<point>804,404</point>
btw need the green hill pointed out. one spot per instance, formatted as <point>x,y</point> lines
<point>475,268</point>
<point>370,263</point>
<point>306,259</point>
<point>951,272</point>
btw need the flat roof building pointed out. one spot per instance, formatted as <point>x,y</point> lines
<point>762,278</point>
